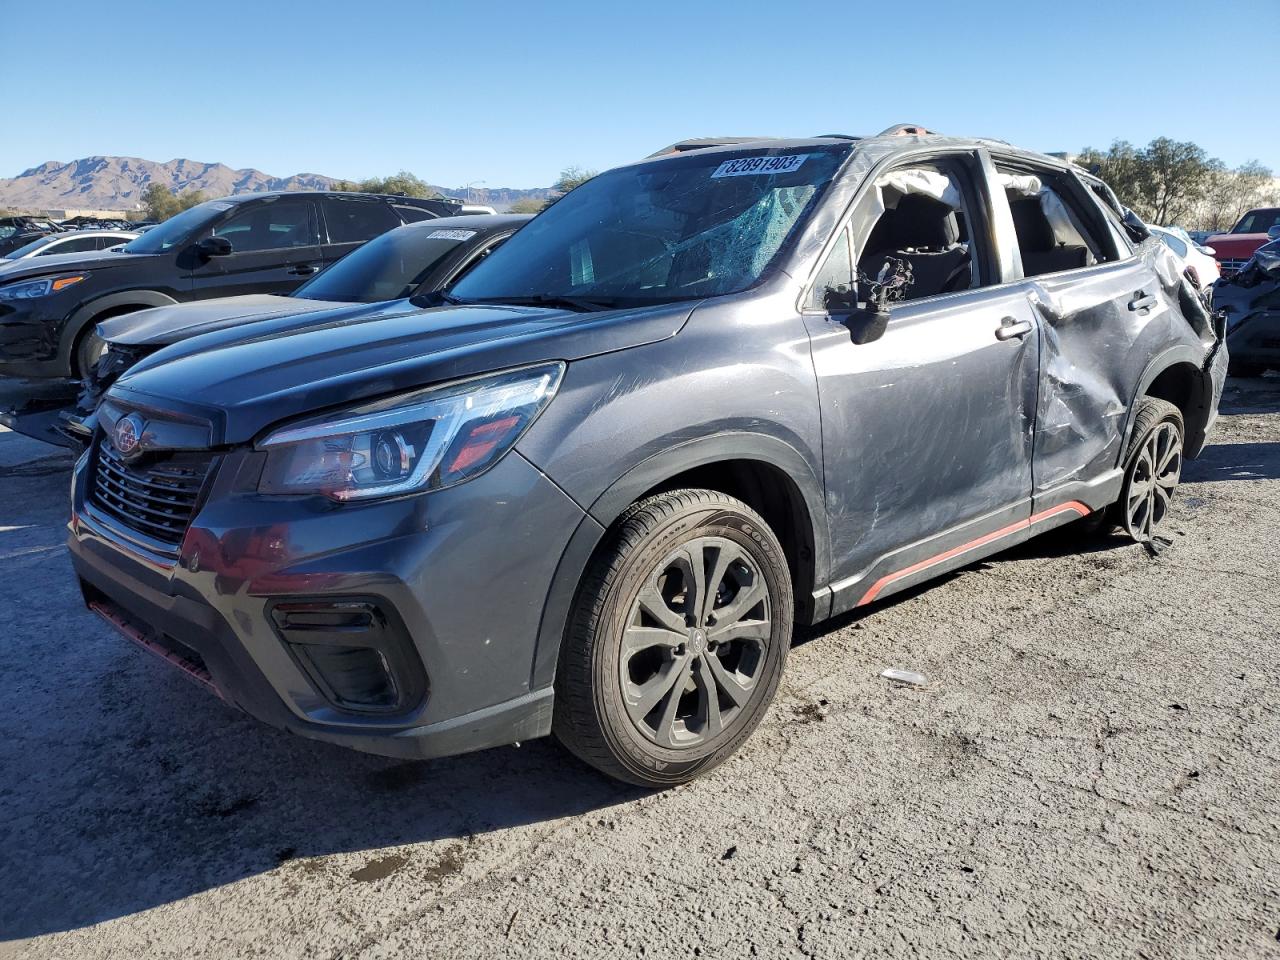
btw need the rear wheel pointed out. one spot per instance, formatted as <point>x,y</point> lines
<point>1153,466</point>
<point>678,640</point>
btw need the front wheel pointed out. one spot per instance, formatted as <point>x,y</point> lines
<point>88,353</point>
<point>678,639</point>
<point>1153,466</point>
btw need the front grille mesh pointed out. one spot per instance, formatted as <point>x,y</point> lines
<point>155,497</point>
<point>1231,266</point>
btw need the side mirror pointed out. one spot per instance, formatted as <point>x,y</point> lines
<point>1274,232</point>
<point>1135,225</point>
<point>1207,251</point>
<point>214,247</point>
<point>866,322</point>
<point>867,326</point>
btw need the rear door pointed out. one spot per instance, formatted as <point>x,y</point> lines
<point>274,248</point>
<point>1102,313</point>
<point>352,220</point>
<point>927,431</point>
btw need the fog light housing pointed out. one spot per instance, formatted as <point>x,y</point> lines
<point>355,651</point>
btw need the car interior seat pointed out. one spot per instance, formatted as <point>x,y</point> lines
<point>927,233</point>
<point>1042,252</point>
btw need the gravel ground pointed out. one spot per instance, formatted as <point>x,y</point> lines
<point>1093,770</point>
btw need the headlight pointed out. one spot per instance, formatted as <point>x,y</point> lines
<point>421,441</point>
<point>34,289</point>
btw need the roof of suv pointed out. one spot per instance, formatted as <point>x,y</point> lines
<point>897,137</point>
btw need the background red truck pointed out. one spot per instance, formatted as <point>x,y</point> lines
<point>1232,250</point>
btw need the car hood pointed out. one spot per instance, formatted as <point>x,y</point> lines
<point>31,267</point>
<point>241,386</point>
<point>162,326</point>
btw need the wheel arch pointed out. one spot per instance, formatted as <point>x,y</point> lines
<point>1176,375</point>
<point>93,311</point>
<point>766,473</point>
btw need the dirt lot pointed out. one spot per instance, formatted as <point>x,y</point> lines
<point>1094,769</point>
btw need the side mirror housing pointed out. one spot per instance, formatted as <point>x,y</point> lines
<point>1274,232</point>
<point>1207,251</point>
<point>867,326</point>
<point>214,247</point>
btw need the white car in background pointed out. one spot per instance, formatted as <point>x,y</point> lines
<point>75,241</point>
<point>1199,259</point>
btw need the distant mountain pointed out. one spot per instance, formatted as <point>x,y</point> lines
<point>117,183</point>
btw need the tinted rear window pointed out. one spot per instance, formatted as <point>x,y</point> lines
<point>354,221</point>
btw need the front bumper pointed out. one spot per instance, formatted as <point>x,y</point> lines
<point>466,571</point>
<point>30,342</point>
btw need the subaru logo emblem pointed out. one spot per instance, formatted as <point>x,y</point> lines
<point>128,434</point>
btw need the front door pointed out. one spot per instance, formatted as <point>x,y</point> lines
<point>927,431</point>
<point>275,247</point>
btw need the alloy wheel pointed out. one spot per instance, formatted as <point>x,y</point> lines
<point>695,642</point>
<point>1153,476</point>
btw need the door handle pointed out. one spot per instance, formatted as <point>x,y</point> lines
<point>1010,328</point>
<point>1142,302</point>
<point>303,269</point>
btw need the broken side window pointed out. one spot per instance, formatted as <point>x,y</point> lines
<point>924,224</point>
<point>1052,229</point>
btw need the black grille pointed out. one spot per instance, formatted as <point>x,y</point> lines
<point>155,497</point>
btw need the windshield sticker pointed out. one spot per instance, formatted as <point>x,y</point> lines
<point>451,234</point>
<point>744,166</point>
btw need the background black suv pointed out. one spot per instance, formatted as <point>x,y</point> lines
<point>253,243</point>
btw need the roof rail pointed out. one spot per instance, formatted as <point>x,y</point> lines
<point>703,143</point>
<point>837,136</point>
<point>907,130</point>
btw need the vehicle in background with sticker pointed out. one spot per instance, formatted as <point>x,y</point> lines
<point>589,489</point>
<point>387,272</point>
<point>1250,299</point>
<point>1233,249</point>
<point>249,243</point>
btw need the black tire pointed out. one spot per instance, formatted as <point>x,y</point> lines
<point>1238,368</point>
<point>618,655</point>
<point>88,350</point>
<point>1152,468</point>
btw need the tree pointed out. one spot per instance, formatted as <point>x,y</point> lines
<point>1170,181</point>
<point>528,205</point>
<point>571,178</point>
<point>160,203</point>
<point>403,183</point>
<point>1177,175</point>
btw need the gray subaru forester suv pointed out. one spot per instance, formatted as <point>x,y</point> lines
<point>590,489</point>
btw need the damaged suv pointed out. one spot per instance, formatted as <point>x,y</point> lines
<point>590,489</point>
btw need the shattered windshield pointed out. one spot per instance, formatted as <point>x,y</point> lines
<point>697,225</point>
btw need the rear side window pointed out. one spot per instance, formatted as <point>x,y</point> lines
<point>77,245</point>
<point>413,214</point>
<point>1053,230</point>
<point>351,220</point>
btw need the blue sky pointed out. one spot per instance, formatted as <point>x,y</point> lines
<point>509,93</point>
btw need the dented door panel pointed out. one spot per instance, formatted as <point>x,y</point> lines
<point>1100,329</point>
